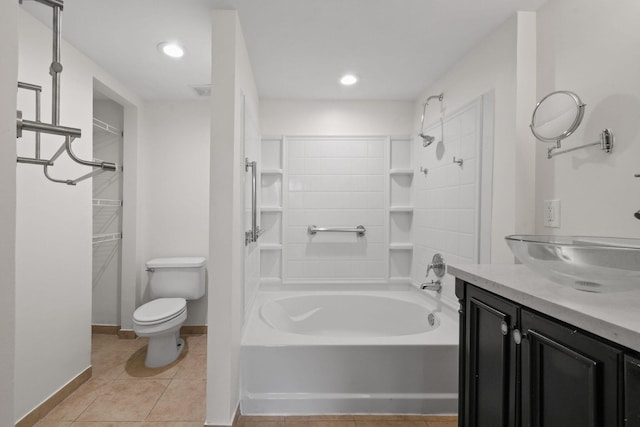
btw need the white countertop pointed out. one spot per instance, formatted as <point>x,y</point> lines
<point>614,316</point>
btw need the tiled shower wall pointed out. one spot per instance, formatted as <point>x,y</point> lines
<point>447,197</point>
<point>335,182</point>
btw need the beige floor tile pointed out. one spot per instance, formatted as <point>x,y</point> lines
<point>334,417</point>
<point>442,424</point>
<point>172,424</point>
<point>319,423</point>
<point>193,367</point>
<point>106,424</point>
<point>184,400</point>
<point>78,401</point>
<point>52,423</point>
<point>109,363</point>
<point>125,400</point>
<point>134,367</point>
<point>391,423</point>
<point>196,343</point>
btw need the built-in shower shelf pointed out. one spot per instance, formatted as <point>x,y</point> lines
<point>104,127</point>
<point>271,209</point>
<point>107,202</point>
<point>401,171</point>
<point>408,209</point>
<point>270,247</point>
<point>400,246</point>
<point>104,238</point>
<point>271,171</point>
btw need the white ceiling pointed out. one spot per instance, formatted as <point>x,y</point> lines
<point>298,48</point>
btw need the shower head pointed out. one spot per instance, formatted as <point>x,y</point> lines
<point>637,215</point>
<point>427,140</point>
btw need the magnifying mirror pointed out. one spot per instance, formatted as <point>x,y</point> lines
<point>557,116</point>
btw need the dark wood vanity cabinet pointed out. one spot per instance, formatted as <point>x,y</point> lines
<point>520,368</point>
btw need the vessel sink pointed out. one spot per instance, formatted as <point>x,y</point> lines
<point>593,264</point>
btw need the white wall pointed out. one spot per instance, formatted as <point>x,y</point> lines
<point>343,118</point>
<point>590,47</point>
<point>174,174</point>
<point>492,66</point>
<point>53,230</point>
<point>8,78</point>
<point>232,78</point>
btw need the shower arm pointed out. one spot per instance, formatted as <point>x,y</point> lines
<point>424,110</point>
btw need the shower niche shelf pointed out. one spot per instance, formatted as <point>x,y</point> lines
<point>271,172</point>
<point>272,176</point>
<point>401,171</point>
<point>271,208</point>
<point>400,210</point>
<point>400,246</point>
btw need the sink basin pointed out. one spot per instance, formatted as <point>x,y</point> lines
<point>593,264</point>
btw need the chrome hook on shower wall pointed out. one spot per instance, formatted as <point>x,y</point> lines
<point>427,140</point>
<point>37,126</point>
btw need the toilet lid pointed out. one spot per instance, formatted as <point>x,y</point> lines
<point>159,310</point>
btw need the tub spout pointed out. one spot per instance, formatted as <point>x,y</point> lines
<point>434,285</point>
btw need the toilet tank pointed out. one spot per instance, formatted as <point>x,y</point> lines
<point>178,277</point>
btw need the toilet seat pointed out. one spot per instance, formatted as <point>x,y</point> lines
<point>159,311</point>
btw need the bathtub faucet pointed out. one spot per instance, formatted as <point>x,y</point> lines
<point>434,285</point>
<point>439,267</point>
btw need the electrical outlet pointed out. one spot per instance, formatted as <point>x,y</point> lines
<point>552,213</point>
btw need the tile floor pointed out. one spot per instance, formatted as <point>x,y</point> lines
<point>124,393</point>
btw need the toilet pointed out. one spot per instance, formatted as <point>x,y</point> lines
<point>172,281</point>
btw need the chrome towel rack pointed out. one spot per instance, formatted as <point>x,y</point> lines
<point>54,128</point>
<point>359,230</point>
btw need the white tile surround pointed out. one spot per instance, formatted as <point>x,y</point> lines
<point>374,181</point>
<point>447,198</point>
<point>335,182</point>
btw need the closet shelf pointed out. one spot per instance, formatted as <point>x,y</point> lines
<point>103,238</point>
<point>101,126</point>
<point>107,202</point>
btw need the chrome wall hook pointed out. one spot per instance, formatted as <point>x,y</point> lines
<point>424,170</point>
<point>459,162</point>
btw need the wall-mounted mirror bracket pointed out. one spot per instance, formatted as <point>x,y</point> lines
<point>605,143</point>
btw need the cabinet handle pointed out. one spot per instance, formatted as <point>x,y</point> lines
<point>504,328</point>
<point>517,336</point>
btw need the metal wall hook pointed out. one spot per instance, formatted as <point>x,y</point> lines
<point>424,170</point>
<point>459,162</point>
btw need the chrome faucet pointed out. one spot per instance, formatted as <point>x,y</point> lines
<point>434,285</point>
<point>439,267</point>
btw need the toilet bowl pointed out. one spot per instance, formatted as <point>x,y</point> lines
<point>172,281</point>
<point>160,321</point>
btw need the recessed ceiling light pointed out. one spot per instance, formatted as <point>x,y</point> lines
<point>171,49</point>
<point>348,79</point>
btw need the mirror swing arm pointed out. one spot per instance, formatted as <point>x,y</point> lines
<point>605,143</point>
<point>549,117</point>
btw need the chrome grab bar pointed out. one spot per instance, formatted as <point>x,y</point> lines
<point>360,230</point>
<point>255,232</point>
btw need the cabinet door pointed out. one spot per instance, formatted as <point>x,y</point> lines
<point>631,392</point>
<point>568,378</point>
<point>490,360</point>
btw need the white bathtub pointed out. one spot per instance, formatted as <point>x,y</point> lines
<point>349,350</point>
